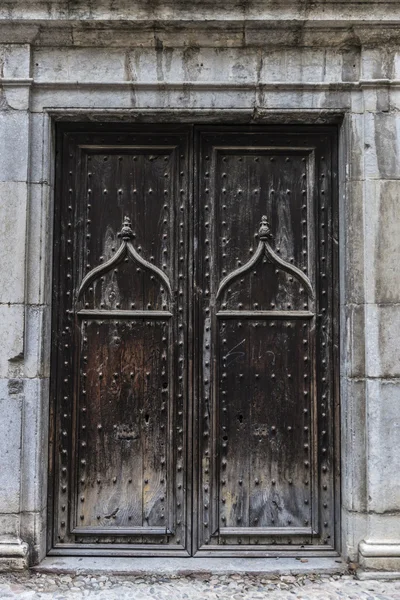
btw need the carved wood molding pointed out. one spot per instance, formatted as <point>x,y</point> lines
<point>264,249</point>
<point>126,247</point>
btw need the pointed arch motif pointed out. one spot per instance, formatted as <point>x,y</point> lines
<point>126,248</point>
<point>264,249</point>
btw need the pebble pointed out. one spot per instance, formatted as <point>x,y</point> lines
<point>41,586</point>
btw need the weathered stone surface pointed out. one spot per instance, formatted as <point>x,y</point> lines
<point>382,325</point>
<point>378,63</point>
<point>355,334</point>
<point>356,147</point>
<point>156,96</point>
<point>301,65</point>
<point>382,145</point>
<point>384,528</point>
<point>15,61</point>
<point>13,203</point>
<point>13,555</point>
<point>354,526</point>
<point>63,64</point>
<point>11,399</point>
<point>33,526</point>
<point>9,526</point>
<point>387,243</point>
<point>39,249</point>
<point>51,98</point>
<point>40,170</point>
<point>383,440</point>
<point>15,97</point>
<point>12,339</point>
<point>34,450</point>
<point>354,231</point>
<point>37,338</point>
<point>302,13</point>
<point>14,146</point>
<point>206,65</point>
<point>354,445</point>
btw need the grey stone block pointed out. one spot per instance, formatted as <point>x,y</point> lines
<point>387,244</point>
<point>35,449</point>
<point>93,98</point>
<point>383,443</point>
<point>354,526</point>
<point>15,97</point>
<point>382,146</point>
<point>10,446</point>
<point>201,65</point>
<point>15,61</point>
<point>301,65</point>
<point>12,339</point>
<point>76,64</point>
<point>351,64</point>
<point>9,525</point>
<point>353,245</point>
<point>355,340</point>
<point>39,157</point>
<point>37,341</point>
<point>13,202</point>
<point>378,63</point>
<point>354,445</point>
<point>14,139</point>
<point>382,325</point>
<point>39,255</point>
<point>356,147</point>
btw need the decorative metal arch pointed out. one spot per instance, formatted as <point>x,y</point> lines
<point>264,249</point>
<point>126,247</point>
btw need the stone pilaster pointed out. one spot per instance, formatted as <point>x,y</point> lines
<point>14,144</point>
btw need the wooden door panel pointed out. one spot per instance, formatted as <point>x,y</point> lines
<point>120,329</point>
<point>266,331</point>
<point>249,183</point>
<point>122,416</point>
<point>265,480</point>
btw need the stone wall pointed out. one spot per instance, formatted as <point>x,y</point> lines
<point>287,62</point>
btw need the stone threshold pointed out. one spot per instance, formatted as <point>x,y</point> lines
<point>180,567</point>
<point>363,575</point>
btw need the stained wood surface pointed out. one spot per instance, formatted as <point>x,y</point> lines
<point>121,391</point>
<point>194,405</point>
<point>265,241</point>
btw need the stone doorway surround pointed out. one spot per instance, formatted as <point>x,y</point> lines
<point>198,62</point>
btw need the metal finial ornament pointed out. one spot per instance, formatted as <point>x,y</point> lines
<point>125,248</point>
<point>126,232</point>
<point>264,250</point>
<point>265,231</point>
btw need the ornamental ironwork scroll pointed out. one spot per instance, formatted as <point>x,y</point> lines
<point>126,249</point>
<point>264,249</point>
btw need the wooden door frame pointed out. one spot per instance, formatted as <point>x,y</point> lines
<point>192,439</point>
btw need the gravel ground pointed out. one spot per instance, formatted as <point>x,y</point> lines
<point>31,586</point>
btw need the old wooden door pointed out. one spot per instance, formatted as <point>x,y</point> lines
<point>266,330</point>
<point>194,341</point>
<point>120,365</point>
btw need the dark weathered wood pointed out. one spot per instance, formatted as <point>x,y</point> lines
<point>265,223</point>
<point>195,342</point>
<point>119,390</point>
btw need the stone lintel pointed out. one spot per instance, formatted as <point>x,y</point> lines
<point>227,32</point>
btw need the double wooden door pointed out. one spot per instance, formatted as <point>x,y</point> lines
<point>194,339</point>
